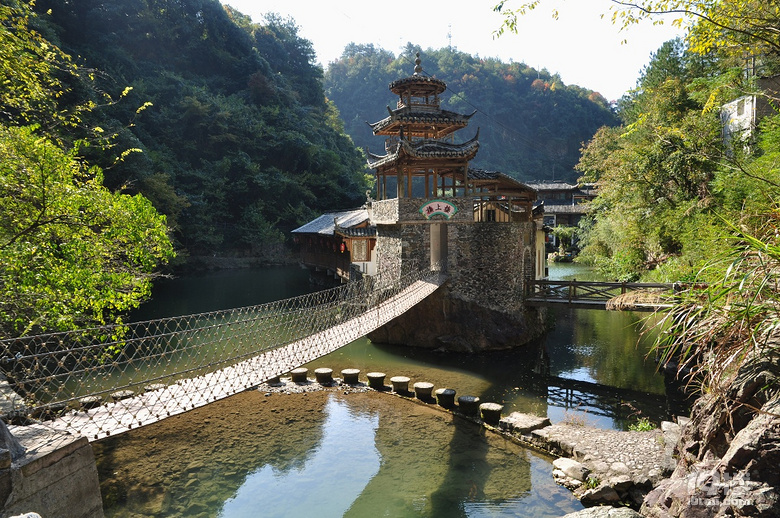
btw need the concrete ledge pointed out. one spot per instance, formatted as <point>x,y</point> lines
<point>56,477</point>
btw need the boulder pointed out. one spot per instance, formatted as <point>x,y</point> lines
<point>571,468</point>
<point>600,495</point>
<point>520,423</point>
<point>605,512</point>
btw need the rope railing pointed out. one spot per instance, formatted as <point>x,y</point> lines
<point>108,379</point>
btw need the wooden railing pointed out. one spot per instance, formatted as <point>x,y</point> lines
<point>593,294</point>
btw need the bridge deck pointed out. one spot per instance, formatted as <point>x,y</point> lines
<point>600,295</point>
<point>589,304</point>
<point>187,394</point>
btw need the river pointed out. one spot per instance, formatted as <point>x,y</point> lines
<point>608,348</point>
<point>371,455</point>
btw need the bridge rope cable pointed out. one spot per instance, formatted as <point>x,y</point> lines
<point>108,379</point>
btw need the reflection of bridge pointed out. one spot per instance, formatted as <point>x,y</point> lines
<point>634,296</point>
<point>104,381</point>
<point>603,400</point>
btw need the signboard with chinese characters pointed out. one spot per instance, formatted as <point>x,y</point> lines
<point>441,207</point>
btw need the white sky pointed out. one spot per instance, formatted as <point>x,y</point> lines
<point>581,46</point>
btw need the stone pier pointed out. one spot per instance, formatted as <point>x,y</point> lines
<point>54,475</point>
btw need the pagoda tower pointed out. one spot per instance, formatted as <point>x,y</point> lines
<point>434,210</point>
<point>421,157</point>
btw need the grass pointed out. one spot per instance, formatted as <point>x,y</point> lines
<point>642,424</point>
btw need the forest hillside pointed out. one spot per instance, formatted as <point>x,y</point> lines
<point>532,126</point>
<point>235,143</point>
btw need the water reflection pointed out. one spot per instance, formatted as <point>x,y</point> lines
<point>324,453</point>
<point>345,450</point>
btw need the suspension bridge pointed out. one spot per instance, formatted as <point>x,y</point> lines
<point>104,381</point>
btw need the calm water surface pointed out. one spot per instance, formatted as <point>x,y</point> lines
<point>377,447</point>
<point>608,348</point>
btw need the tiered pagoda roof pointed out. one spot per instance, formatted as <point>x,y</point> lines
<point>426,149</point>
<point>436,124</point>
<point>419,124</point>
<point>417,83</point>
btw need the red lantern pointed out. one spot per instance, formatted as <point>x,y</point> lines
<point>343,247</point>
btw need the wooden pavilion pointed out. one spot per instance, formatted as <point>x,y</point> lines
<point>422,159</point>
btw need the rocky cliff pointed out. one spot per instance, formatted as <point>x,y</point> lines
<point>728,455</point>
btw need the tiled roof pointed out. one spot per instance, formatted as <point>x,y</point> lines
<point>580,208</point>
<point>427,149</point>
<point>369,231</point>
<point>407,116</point>
<point>428,84</point>
<point>326,224</point>
<point>484,175</point>
<point>553,186</point>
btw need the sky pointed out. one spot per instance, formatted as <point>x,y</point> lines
<point>581,46</point>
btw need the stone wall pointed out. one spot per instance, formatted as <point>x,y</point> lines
<point>481,306</point>
<point>56,476</point>
<point>488,261</point>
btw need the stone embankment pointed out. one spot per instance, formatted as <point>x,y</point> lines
<point>600,466</point>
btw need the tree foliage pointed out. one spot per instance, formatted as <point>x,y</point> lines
<point>72,253</point>
<point>654,172</point>
<point>531,124</point>
<point>238,144</point>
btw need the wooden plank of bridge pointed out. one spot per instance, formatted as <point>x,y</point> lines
<point>152,406</point>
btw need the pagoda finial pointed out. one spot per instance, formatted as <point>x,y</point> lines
<point>417,65</point>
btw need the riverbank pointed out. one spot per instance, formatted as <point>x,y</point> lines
<point>208,263</point>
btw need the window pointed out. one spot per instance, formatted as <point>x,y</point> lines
<point>360,250</point>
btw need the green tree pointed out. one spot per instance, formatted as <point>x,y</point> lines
<point>72,253</point>
<point>654,176</point>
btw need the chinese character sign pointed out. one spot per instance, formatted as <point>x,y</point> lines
<point>440,207</point>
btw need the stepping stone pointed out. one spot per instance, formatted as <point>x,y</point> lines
<point>491,413</point>
<point>324,375</point>
<point>445,397</point>
<point>376,380</point>
<point>350,376</point>
<point>122,394</point>
<point>400,384</point>
<point>90,402</point>
<point>423,390</point>
<point>299,375</point>
<point>469,405</point>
